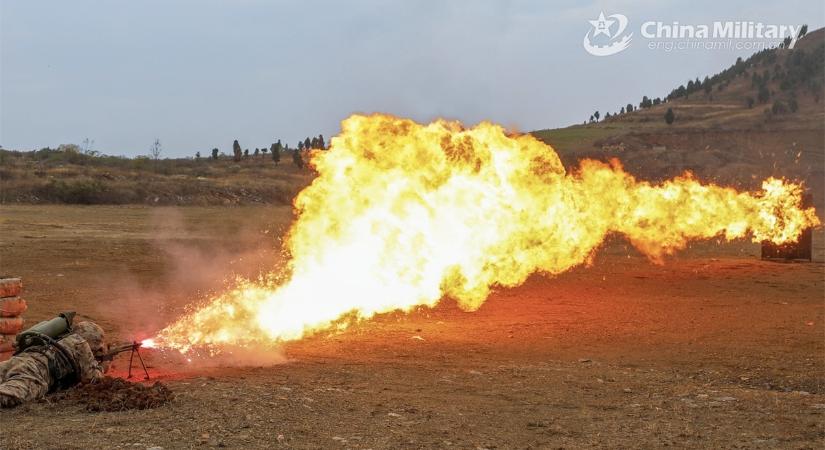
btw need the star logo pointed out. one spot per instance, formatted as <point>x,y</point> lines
<point>602,25</point>
<point>616,40</point>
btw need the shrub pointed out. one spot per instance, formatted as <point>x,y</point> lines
<point>764,94</point>
<point>793,105</point>
<point>84,191</point>
<point>669,116</point>
<point>778,107</point>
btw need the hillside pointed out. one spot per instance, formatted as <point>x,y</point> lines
<point>764,116</point>
<point>723,130</point>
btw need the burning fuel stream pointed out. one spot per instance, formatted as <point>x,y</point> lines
<point>402,215</point>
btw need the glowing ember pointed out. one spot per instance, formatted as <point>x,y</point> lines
<point>148,343</point>
<point>403,214</point>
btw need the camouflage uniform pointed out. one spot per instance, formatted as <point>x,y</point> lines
<point>38,370</point>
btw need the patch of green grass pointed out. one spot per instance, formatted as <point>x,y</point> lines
<point>577,138</point>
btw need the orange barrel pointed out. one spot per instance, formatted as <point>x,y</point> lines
<point>10,287</point>
<point>11,325</point>
<point>12,306</point>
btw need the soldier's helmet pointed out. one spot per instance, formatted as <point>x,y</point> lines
<point>93,334</point>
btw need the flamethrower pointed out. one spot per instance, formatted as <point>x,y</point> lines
<point>50,331</point>
<point>129,346</point>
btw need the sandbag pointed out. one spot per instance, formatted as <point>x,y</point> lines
<point>11,325</point>
<point>12,306</point>
<point>6,342</point>
<point>10,287</point>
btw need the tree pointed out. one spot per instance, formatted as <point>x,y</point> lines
<point>296,158</point>
<point>236,151</point>
<point>276,151</point>
<point>246,153</point>
<point>629,107</point>
<point>87,147</point>
<point>300,145</point>
<point>155,150</point>
<point>321,143</point>
<point>764,94</point>
<point>622,110</point>
<point>803,31</point>
<point>596,115</point>
<point>257,151</point>
<point>215,152</point>
<point>669,116</point>
<point>793,105</point>
<point>816,89</point>
<point>645,103</point>
<point>307,144</point>
<point>197,155</point>
<point>264,150</point>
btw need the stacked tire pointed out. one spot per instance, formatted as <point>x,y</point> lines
<point>12,308</point>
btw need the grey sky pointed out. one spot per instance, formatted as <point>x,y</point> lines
<point>199,73</point>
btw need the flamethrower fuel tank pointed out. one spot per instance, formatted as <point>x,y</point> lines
<point>45,331</point>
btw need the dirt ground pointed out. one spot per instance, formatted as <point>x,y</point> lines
<point>714,349</point>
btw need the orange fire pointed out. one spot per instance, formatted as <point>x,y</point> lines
<point>403,214</point>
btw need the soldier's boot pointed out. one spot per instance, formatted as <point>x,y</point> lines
<point>9,401</point>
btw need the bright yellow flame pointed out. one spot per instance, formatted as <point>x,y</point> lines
<point>403,214</point>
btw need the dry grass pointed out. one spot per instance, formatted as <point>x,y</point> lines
<point>62,177</point>
<point>724,112</point>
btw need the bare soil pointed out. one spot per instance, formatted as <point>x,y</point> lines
<point>714,349</point>
<point>114,394</point>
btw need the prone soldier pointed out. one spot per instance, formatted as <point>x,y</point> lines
<point>53,355</point>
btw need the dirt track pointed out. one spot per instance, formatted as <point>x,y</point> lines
<point>713,349</point>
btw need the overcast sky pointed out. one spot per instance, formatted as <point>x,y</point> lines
<point>199,73</point>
